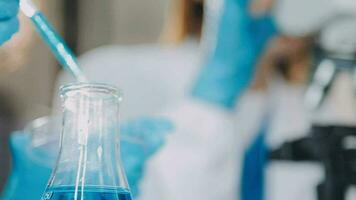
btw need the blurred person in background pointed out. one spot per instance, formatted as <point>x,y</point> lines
<point>214,161</point>
<point>166,80</point>
<point>276,113</point>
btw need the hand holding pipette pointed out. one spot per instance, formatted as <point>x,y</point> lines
<point>151,131</point>
<point>54,41</point>
<point>9,24</point>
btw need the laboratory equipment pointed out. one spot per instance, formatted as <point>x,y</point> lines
<point>89,162</point>
<point>9,23</point>
<point>334,28</point>
<point>337,54</point>
<point>330,146</point>
<point>330,141</point>
<point>57,45</point>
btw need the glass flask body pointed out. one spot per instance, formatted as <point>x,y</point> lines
<point>89,163</point>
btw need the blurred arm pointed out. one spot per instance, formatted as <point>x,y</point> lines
<point>229,67</point>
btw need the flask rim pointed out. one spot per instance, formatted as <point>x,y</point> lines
<point>68,90</point>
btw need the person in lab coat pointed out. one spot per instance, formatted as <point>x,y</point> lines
<point>202,159</point>
<point>195,157</point>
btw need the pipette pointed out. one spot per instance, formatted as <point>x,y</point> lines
<point>53,40</point>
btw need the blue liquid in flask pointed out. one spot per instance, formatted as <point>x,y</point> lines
<point>90,193</point>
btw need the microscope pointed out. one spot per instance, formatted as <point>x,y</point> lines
<point>333,146</point>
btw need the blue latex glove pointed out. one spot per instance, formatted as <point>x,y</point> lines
<point>229,67</point>
<point>9,23</point>
<point>31,170</point>
<point>150,134</point>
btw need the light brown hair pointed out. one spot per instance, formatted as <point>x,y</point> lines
<point>185,20</point>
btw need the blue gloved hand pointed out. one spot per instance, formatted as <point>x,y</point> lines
<point>9,23</point>
<point>32,167</point>
<point>229,67</point>
<point>140,140</point>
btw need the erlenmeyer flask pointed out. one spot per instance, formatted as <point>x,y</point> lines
<point>89,164</point>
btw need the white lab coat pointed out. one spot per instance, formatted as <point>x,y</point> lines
<point>198,160</point>
<point>151,76</point>
<point>202,159</point>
